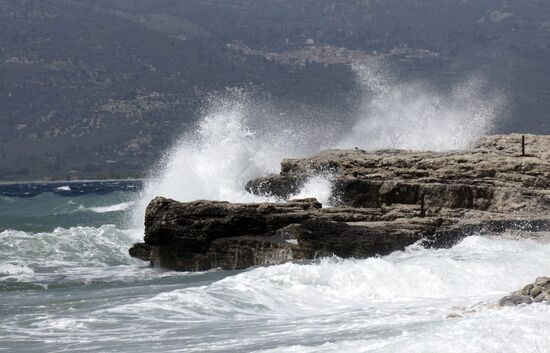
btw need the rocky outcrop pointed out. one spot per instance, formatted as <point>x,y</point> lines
<point>532,293</point>
<point>207,234</point>
<point>382,201</point>
<point>493,176</point>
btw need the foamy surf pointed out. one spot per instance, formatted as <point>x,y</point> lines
<point>419,300</point>
<point>123,206</point>
<point>40,257</point>
<point>478,268</point>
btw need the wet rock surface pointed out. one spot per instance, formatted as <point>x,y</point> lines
<point>536,292</point>
<point>382,201</point>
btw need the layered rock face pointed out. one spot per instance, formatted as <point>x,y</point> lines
<point>208,234</point>
<point>383,201</point>
<point>492,176</point>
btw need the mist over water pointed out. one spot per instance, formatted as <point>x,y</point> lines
<point>415,116</point>
<point>239,138</point>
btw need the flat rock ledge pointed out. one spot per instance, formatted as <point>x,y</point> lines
<point>202,235</point>
<point>536,292</point>
<point>383,201</point>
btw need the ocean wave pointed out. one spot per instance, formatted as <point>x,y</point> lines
<point>123,206</point>
<point>417,300</point>
<point>63,188</point>
<point>67,254</point>
<point>11,270</point>
<point>477,267</point>
<point>47,204</point>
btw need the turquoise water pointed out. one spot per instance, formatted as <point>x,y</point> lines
<point>47,211</point>
<point>67,284</point>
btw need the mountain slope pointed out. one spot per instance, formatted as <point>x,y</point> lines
<point>101,88</point>
<point>89,91</point>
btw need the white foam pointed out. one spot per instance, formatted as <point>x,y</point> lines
<point>11,270</point>
<point>395,303</point>
<point>415,116</point>
<point>477,268</point>
<point>510,330</point>
<point>75,252</point>
<point>319,187</point>
<point>112,208</point>
<point>239,139</point>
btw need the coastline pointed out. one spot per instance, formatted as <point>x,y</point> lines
<point>382,201</point>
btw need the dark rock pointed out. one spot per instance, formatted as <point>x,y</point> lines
<point>202,235</point>
<point>206,234</point>
<point>543,282</point>
<point>539,298</point>
<point>384,201</point>
<point>512,300</point>
<point>535,291</point>
<point>532,293</point>
<point>281,187</point>
<point>141,251</point>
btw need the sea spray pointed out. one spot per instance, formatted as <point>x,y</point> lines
<point>236,140</point>
<point>318,186</point>
<point>239,138</point>
<point>415,116</point>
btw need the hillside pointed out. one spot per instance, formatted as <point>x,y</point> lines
<point>86,93</point>
<point>96,89</point>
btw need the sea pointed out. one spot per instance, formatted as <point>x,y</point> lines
<point>68,284</point>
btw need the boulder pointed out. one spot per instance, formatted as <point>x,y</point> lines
<point>536,292</point>
<point>513,300</point>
